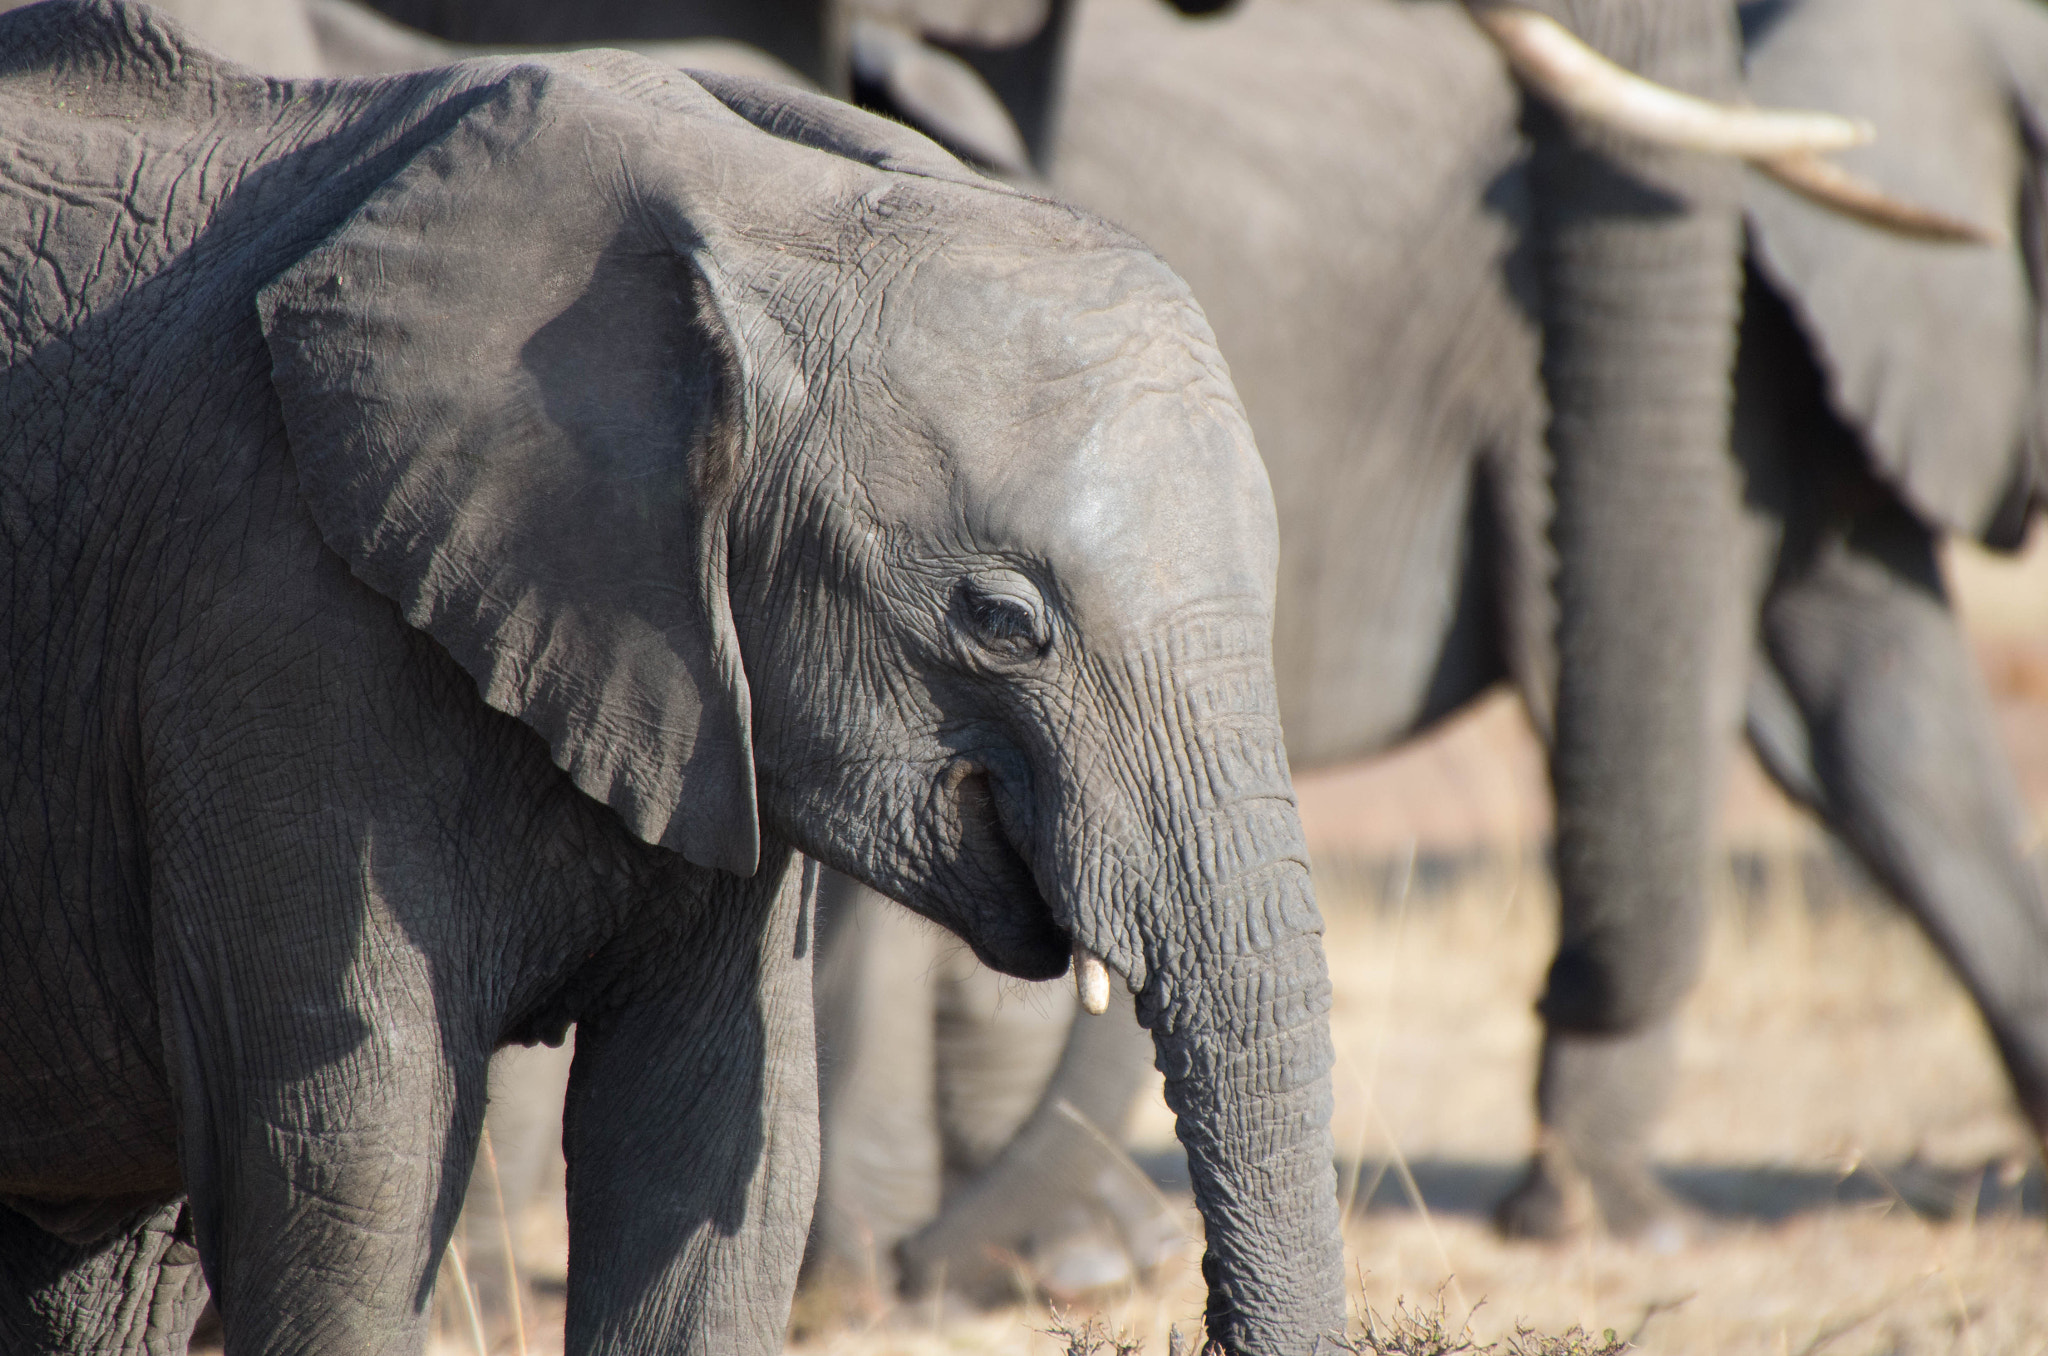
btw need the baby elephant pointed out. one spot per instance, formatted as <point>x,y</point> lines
<point>465,533</point>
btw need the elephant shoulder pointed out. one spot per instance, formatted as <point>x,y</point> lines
<point>1928,348</point>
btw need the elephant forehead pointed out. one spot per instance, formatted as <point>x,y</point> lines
<point>1090,425</point>
<point>1029,326</point>
<point>1157,504</point>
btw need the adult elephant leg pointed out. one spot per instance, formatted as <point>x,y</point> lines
<point>1638,257</point>
<point>1598,1097</point>
<point>691,1126</point>
<point>880,1154</point>
<point>928,1058</point>
<point>1867,707</point>
<point>1884,724</point>
<point>1061,1192</point>
<point>135,1292</point>
<point>997,1041</point>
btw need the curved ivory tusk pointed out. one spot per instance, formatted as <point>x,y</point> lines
<point>1561,68</point>
<point>1831,186</point>
<point>1091,981</point>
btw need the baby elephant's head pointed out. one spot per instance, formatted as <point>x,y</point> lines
<point>789,478</point>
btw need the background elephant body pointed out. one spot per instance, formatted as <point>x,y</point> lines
<point>1414,567</point>
<point>1386,242</point>
<point>456,568</point>
<point>980,76</point>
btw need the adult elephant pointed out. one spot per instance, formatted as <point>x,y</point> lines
<point>1568,339</point>
<point>981,76</point>
<point>1885,392</point>
<point>465,534</point>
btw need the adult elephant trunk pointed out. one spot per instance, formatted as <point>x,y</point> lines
<point>1217,926</point>
<point>1638,251</point>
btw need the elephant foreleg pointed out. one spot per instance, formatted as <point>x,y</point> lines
<point>930,1061</point>
<point>691,1128</point>
<point>327,1119</point>
<point>880,1175</point>
<point>1058,1182</point>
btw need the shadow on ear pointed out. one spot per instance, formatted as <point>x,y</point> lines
<point>513,410</point>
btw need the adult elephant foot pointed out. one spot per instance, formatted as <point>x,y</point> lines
<point>1597,1096</point>
<point>1063,1211</point>
<point>971,1126</point>
<point>1562,1196</point>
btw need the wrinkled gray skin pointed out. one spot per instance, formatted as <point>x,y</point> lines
<point>465,533</point>
<point>1345,187</point>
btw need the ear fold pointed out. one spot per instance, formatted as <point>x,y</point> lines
<point>1929,349</point>
<point>513,409</point>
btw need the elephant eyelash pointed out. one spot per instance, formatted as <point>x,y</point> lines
<point>1008,627</point>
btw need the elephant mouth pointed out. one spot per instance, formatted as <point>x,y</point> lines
<point>1010,925</point>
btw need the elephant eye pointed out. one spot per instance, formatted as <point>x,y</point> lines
<point>1003,616</point>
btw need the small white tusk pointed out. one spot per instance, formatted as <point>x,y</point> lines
<point>1826,183</point>
<point>1091,981</point>
<point>1557,65</point>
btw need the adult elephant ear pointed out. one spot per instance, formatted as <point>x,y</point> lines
<point>517,406</point>
<point>1930,349</point>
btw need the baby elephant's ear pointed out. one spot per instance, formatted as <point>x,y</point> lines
<point>513,410</point>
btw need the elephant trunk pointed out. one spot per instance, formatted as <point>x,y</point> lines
<point>1640,262</point>
<point>1240,1023</point>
